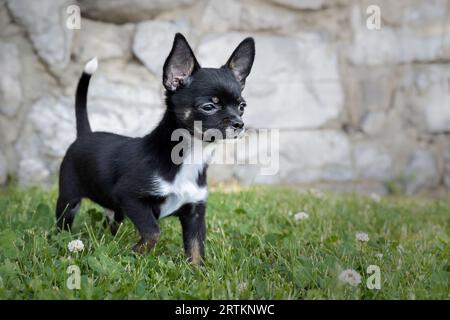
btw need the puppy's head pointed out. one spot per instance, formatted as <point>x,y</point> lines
<point>207,96</point>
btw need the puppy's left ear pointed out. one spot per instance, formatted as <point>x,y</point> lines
<point>180,64</point>
<point>241,60</point>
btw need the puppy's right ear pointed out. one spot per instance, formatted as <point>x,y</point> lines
<point>180,64</point>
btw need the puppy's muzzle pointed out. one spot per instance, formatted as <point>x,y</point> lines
<point>237,124</point>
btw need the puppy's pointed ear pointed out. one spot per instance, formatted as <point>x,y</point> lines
<point>179,65</point>
<point>241,60</point>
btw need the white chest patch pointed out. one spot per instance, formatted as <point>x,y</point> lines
<point>184,188</point>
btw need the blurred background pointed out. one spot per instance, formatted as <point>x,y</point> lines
<point>358,108</point>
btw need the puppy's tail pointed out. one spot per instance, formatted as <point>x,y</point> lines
<point>83,125</point>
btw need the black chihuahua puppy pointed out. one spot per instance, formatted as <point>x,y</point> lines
<point>138,177</point>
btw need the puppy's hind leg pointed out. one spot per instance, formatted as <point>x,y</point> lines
<point>69,199</point>
<point>66,209</point>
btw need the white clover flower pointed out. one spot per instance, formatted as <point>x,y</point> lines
<point>379,255</point>
<point>290,213</point>
<point>375,197</point>
<point>362,236</point>
<point>350,277</point>
<point>75,246</point>
<point>242,286</point>
<point>300,216</point>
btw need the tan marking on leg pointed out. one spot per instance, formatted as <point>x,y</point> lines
<point>146,244</point>
<point>195,252</point>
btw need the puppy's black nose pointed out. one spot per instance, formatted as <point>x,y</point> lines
<point>237,124</point>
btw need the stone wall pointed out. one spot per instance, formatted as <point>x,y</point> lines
<point>356,108</point>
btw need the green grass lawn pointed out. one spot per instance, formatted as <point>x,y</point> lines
<point>254,248</point>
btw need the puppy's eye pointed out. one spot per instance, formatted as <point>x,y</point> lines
<point>215,100</point>
<point>208,108</point>
<point>242,106</point>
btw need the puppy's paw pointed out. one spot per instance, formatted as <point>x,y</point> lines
<point>195,253</point>
<point>114,227</point>
<point>146,244</point>
<point>196,261</point>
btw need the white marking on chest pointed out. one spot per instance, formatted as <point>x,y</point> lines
<point>184,188</point>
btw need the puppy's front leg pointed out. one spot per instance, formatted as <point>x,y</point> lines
<point>144,220</point>
<point>192,218</point>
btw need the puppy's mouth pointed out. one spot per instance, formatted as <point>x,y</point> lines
<point>241,133</point>
<point>212,135</point>
<point>205,136</point>
<point>234,134</point>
